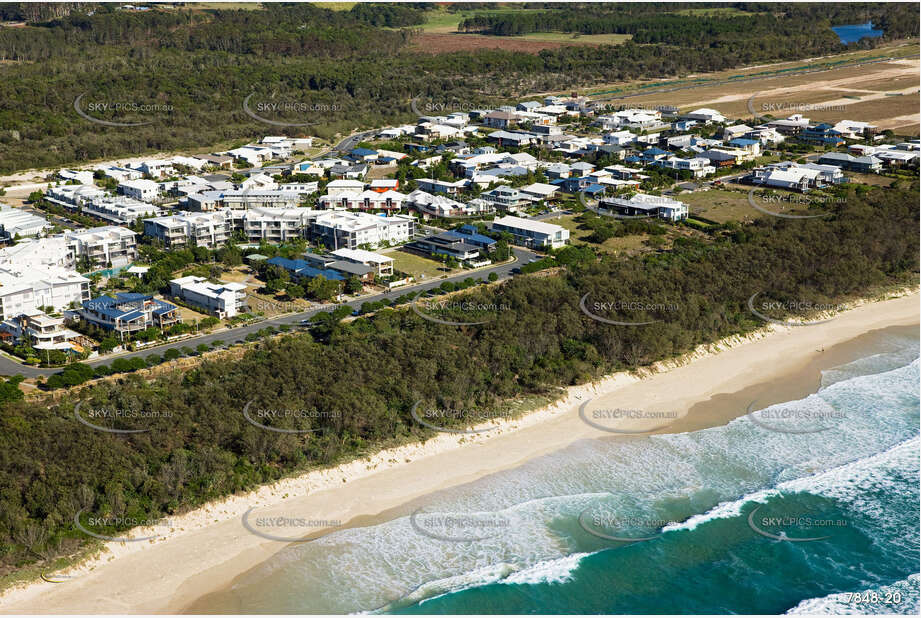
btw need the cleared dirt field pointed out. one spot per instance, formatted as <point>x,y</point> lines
<point>884,93</point>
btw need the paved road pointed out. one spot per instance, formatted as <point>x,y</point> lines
<point>9,367</point>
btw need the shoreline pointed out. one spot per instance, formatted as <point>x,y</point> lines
<point>208,548</point>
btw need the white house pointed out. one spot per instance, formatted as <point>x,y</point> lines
<point>531,233</point>
<point>381,263</point>
<point>641,204</point>
<point>224,300</point>
<point>142,190</point>
<point>705,115</point>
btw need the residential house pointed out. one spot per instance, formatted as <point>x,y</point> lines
<point>127,313</point>
<point>449,244</point>
<point>821,134</point>
<point>40,331</point>
<point>865,164</point>
<point>441,206</point>
<point>223,300</point>
<point>506,198</point>
<point>641,204</point>
<point>705,115</point>
<point>531,233</point>
<point>500,119</point>
<point>381,264</point>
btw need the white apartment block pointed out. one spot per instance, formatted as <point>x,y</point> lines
<point>120,210</point>
<point>106,247</point>
<point>73,196</point>
<point>14,221</point>
<point>276,225</point>
<point>224,300</point>
<point>365,200</point>
<point>23,289</point>
<point>243,199</point>
<point>38,253</point>
<point>206,229</point>
<point>143,190</point>
<point>351,230</point>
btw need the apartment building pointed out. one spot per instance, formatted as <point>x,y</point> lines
<point>208,229</point>
<point>351,230</point>
<point>223,300</point>
<point>140,189</point>
<point>105,247</point>
<point>16,222</point>
<point>368,200</point>
<point>120,210</point>
<point>26,289</point>
<point>276,225</point>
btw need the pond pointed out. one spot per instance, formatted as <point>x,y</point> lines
<point>855,32</point>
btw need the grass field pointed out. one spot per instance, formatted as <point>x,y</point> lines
<point>721,205</point>
<point>423,269</point>
<point>614,246</point>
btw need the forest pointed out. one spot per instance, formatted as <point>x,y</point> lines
<point>185,73</point>
<point>361,377</point>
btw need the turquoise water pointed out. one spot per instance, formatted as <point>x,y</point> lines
<point>726,513</point>
<point>854,32</point>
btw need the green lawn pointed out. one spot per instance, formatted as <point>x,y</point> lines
<point>422,268</point>
<point>442,21</point>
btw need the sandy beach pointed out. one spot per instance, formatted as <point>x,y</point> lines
<point>204,550</point>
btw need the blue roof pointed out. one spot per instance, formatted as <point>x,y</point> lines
<point>470,234</point>
<point>593,189</point>
<point>654,151</point>
<point>125,305</point>
<point>363,152</point>
<point>310,271</point>
<point>286,263</point>
<point>304,269</point>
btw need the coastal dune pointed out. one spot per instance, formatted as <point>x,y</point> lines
<point>203,551</point>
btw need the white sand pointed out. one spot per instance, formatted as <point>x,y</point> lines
<point>205,549</point>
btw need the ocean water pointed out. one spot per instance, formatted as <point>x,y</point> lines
<point>854,32</point>
<point>795,513</point>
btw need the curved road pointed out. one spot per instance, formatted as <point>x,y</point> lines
<point>10,367</point>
